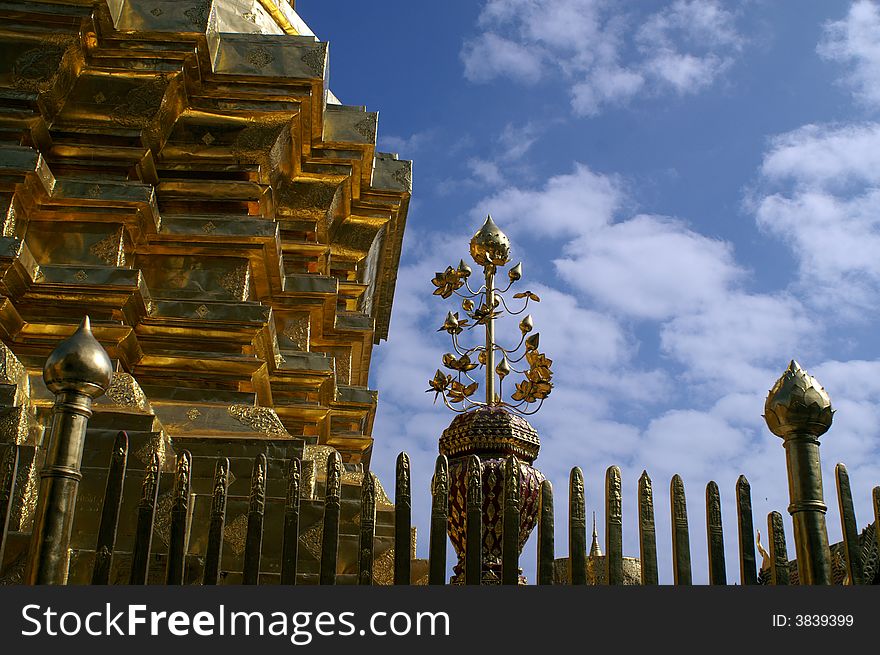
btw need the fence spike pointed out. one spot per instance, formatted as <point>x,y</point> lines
<point>368,529</point>
<point>402,521</point>
<point>681,547</point>
<point>715,536</point>
<point>510,522</point>
<point>179,511</point>
<point>779,569</point>
<point>746,530</point>
<point>290,540</point>
<point>146,518</point>
<point>473,550</point>
<point>647,531</point>
<point>8,472</point>
<point>332,505</point>
<point>214,549</point>
<point>577,528</point>
<point>875,495</point>
<point>253,544</point>
<point>849,527</point>
<point>110,511</point>
<point>613,527</point>
<point>439,518</point>
<point>546,544</point>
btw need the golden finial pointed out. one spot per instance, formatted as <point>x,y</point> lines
<point>490,248</point>
<point>797,403</point>
<point>79,363</point>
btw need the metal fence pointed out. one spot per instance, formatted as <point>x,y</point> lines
<point>486,506</point>
<point>778,572</point>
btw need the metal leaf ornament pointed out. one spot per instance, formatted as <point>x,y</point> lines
<point>481,306</point>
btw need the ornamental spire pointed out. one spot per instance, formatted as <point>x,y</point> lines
<point>490,248</point>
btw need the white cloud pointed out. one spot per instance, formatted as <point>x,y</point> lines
<point>490,55</point>
<point>568,205</point>
<point>606,54</point>
<point>855,40</point>
<point>820,195</point>
<point>487,171</point>
<point>649,267</point>
<point>738,341</point>
<point>822,157</point>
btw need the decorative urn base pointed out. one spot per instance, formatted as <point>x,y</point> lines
<point>493,434</point>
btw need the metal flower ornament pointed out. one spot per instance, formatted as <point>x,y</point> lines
<point>490,248</point>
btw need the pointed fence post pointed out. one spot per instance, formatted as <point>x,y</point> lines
<point>875,496</point>
<point>681,545</point>
<point>290,545</point>
<point>146,519</point>
<point>473,550</point>
<point>546,544</point>
<point>77,372</point>
<point>439,518</point>
<point>256,510</point>
<point>402,521</point>
<point>510,523</point>
<point>214,550</point>
<point>110,511</point>
<point>368,529</point>
<point>849,527</point>
<point>8,471</point>
<point>715,536</point>
<point>746,529</point>
<point>613,527</point>
<point>332,506</point>
<point>779,569</point>
<point>799,411</point>
<point>577,528</point>
<point>647,531</point>
<point>179,512</point>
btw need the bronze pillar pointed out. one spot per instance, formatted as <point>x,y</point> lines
<point>77,371</point>
<point>799,410</point>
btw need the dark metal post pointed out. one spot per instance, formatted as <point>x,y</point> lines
<point>77,371</point>
<point>146,517</point>
<point>473,550</point>
<point>613,527</point>
<point>214,549</point>
<point>110,511</point>
<point>798,410</point>
<point>179,512</point>
<point>545,535</point>
<point>849,526</point>
<point>368,529</point>
<point>439,517</point>
<point>332,506</point>
<point>875,496</point>
<point>256,509</point>
<point>290,543</point>
<point>510,523</point>
<point>681,544</point>
<point>647,531</point>
<point>402,522</point>
<point>715,536</point>
<point>577,529</point>
<point>746,527</point>
<point>779,573</point>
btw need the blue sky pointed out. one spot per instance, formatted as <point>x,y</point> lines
<point>693,187</point>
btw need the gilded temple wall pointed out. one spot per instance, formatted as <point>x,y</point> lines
<point>180,171</point>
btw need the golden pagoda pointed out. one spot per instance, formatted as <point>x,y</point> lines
<point>180,171</point>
